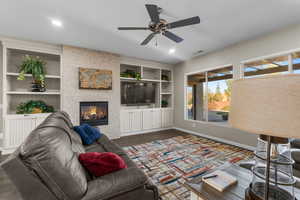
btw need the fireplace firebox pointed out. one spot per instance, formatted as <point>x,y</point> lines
<point>94,113</point>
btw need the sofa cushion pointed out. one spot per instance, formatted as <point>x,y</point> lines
<point>63,116</point>
<point>95,147</point>
<point>110,146</point>
<point>114,184</point>
<point>99,164</point>
<point>48,152</point>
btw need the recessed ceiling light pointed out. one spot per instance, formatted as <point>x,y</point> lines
<point>56,22</point>
<point>171,51</point>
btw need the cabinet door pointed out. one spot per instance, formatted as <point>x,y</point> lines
<point>136,120</point>
<point>147,119</point>
<point>156,123</point>
<point>125,121</point>
<point>167,118</point>
<point>17,129</point>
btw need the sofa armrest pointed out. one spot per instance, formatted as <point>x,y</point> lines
<point>115,183</point>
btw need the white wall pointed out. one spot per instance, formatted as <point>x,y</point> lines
<point>273,43</point>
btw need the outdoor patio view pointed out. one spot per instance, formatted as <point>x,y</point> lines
<point>209,94</point>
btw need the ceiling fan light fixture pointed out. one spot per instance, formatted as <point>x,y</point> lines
<point>161,26</point>
<point>172,51</point>
<point>56,22</point>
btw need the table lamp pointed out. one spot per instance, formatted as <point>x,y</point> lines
<point>270,107</point>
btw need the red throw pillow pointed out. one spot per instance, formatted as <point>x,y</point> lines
<point>100,164</point>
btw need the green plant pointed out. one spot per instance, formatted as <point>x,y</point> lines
<point>138,76</point>
<point>33,65</point>
<point>164,77</point>
<point>34,107</point>
<point>131,74</point>
<point>164,103</point>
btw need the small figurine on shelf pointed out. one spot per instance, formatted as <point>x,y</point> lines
<point>35,67</point>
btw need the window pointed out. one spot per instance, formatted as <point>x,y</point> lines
<point>270,66</point>
<point>296,62</point>
<point>208,95</point>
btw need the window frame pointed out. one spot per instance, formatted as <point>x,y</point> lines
<point>270,56</point>
<point>206,99</point>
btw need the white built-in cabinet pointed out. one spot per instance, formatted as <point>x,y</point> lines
<point>167,117</point>
<point>155,116</point>
<point>140,120</point>
<point>16,127</point>
<point>131,121</point>
<point>19,127</point>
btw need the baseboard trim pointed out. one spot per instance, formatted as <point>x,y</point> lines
<point>5,151</point>
<point>145,131</point>
<point>222,140</point>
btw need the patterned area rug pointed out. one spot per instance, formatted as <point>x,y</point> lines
<point>171,162</point>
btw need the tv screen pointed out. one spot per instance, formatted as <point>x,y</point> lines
<point>134,93</point>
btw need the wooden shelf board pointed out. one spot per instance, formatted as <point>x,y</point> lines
<point>29,75</point>
<point>34,93</point>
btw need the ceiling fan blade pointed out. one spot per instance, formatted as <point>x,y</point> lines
<point>184,22</point>
<point>153,12</point>
<point>147,40</point>
<point>172,36</point>
<point>132,28</point>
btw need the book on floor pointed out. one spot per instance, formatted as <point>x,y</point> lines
<point>220,180</point>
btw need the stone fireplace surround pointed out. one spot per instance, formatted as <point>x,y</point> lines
<point>72,59</point>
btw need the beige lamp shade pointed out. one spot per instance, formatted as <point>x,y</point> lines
<point>267,105</point>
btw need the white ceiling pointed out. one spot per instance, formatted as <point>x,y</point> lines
<point>93,23</point>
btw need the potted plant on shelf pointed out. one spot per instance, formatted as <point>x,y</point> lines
<point>35,67</point>
<point>131,74</point>
<point>34,107</point>
<point>164,77</point>
<point>164,103</point>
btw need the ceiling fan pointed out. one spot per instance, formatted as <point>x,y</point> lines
<point>161,26</point>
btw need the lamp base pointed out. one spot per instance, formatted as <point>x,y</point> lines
<point>275,193</point>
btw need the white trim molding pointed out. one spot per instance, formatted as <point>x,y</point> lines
<point>145,131</point>
<point>244,146</point>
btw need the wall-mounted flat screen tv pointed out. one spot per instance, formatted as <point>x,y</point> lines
<point>137,93</point>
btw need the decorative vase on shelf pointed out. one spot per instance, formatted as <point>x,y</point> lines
<point>38,86</point>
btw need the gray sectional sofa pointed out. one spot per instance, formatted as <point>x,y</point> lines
<point>46,167</point>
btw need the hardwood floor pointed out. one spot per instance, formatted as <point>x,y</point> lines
<point>9,192</point>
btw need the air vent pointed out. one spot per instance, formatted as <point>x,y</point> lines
<point>198,53</point>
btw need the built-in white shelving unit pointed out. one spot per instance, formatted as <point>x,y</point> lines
<point>148,118</point>
<point>163,78</point>
<point>16,127</point>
